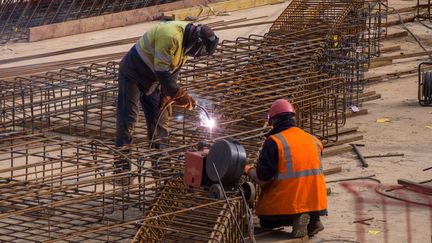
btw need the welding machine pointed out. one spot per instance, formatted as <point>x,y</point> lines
<point>425,84</point>
<point>218,169</point>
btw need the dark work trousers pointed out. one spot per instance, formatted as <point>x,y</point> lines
<point>135,80</point>
<point>275,221</point>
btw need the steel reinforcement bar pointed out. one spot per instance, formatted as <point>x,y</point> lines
<point>17,16</point>
<point>354,30</point>
<point>82,101</point>
<point>48,184</point>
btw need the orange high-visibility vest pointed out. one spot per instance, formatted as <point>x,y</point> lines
<point>299,185</point>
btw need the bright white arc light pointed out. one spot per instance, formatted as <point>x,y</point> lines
<point>210,123</point>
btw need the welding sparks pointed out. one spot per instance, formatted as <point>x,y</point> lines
<point>208,122</point>
<point>205,118</point>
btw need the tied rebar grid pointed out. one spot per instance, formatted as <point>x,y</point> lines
<point>57,190</point>
<point>423,9</point>
<point>250,74</point>
<point>181,214</point>
<point>62,190</point>
<point>73,101</point>
<point>17,16</point>
<point>354,30</point>
<point>237,85</point>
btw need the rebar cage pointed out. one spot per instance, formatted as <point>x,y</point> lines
<point>57,131</point>
<point>17,16</point>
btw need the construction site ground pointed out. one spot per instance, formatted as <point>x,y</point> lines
<point>394,123</point>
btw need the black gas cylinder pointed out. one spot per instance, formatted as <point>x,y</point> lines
<point>229,158</point>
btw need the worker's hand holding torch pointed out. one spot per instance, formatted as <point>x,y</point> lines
<point>182,99</point>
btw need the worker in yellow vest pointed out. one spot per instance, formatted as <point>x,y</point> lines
<point>148,77</point>
<point>290,173</point>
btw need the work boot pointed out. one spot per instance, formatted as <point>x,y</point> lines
<point>300,225</point>
<point>314,227</point>
<point>121,165</point>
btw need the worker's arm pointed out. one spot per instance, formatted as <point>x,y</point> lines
<point>165,48</point>
<point>251,172</point>
<point>266,168</point>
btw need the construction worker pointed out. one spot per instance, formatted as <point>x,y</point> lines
<point>148,75</point>
<point>289,171</point>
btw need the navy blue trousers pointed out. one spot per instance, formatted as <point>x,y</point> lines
<point>134,81</point>
<point>275,221</point>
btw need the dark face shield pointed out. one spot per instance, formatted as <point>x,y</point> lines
<point>203,47</point>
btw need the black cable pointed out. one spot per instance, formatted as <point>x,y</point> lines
<point>406,28</point>
<point>425,25</point>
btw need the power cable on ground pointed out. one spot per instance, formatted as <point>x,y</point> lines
<point>406,28</point>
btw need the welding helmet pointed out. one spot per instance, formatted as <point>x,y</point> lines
<point>203,43</point>
<point>280,106</point>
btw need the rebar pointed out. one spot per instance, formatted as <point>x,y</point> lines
<point>17,16</point>
<point>62,188</point>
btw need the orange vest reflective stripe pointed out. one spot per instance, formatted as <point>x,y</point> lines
<point>299,185</point>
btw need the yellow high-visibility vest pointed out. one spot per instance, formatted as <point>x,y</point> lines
<point>161,47</point>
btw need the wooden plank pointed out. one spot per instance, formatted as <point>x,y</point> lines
<point>336,151</point>
<point>370,93</point>
<point>344,130</point>
<point>370,98</point>
<point>108,21</point>
<point>398,21</point>
<point>214,8</point>
<point>402,56</point>
<point>388,49</point>
<point>375,64</point>
<point>390,76</point>
<point>344,141</point>
<point>396,35</point>
<point>358,113</point>
<point>333,170</point>
<point>402,10</point>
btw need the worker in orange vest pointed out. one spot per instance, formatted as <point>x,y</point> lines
<point>290,173</point>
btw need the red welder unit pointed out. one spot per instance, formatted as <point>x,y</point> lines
<point>218,169</point>
<point>194,174</point>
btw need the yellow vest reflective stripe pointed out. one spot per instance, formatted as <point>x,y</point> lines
<point>161,47</point>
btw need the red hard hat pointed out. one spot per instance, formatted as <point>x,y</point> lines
<point>280,106</point>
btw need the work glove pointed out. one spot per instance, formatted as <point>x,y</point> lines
<point>166,101</point>
<point>182,99</point>
<point>247,168</point>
